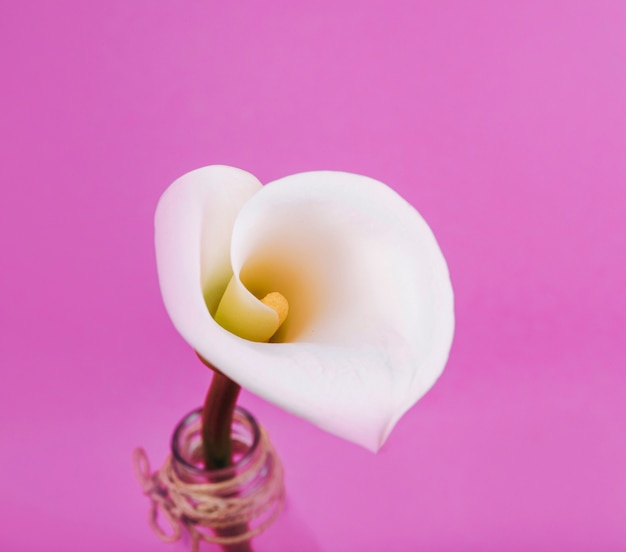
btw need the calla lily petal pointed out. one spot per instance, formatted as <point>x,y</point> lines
<point>370,319</point>
<point>196,214</point>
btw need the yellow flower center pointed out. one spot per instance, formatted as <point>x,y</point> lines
<point>244,315</point>
<point>277,302</point>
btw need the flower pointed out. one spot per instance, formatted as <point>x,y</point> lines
<point>371,315</point>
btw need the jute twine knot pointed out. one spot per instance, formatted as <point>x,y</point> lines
<point>216,511</point>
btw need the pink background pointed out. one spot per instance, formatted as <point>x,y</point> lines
<point>503,123</point>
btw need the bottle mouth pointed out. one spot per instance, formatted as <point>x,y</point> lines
<point>186,444</point>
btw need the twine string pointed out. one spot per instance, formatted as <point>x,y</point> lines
<point>198,507</point>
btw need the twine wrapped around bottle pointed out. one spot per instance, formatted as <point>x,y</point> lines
<point>208,509</point>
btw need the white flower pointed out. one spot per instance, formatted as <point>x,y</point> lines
<point>371,315</point>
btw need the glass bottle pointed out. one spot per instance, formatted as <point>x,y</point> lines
<point>240,508</point>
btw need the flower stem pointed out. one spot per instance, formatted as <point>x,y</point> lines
<point>217,420</point>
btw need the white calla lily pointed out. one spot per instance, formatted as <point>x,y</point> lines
<point>371,316</point>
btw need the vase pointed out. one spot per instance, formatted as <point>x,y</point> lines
<point>240,508</point>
